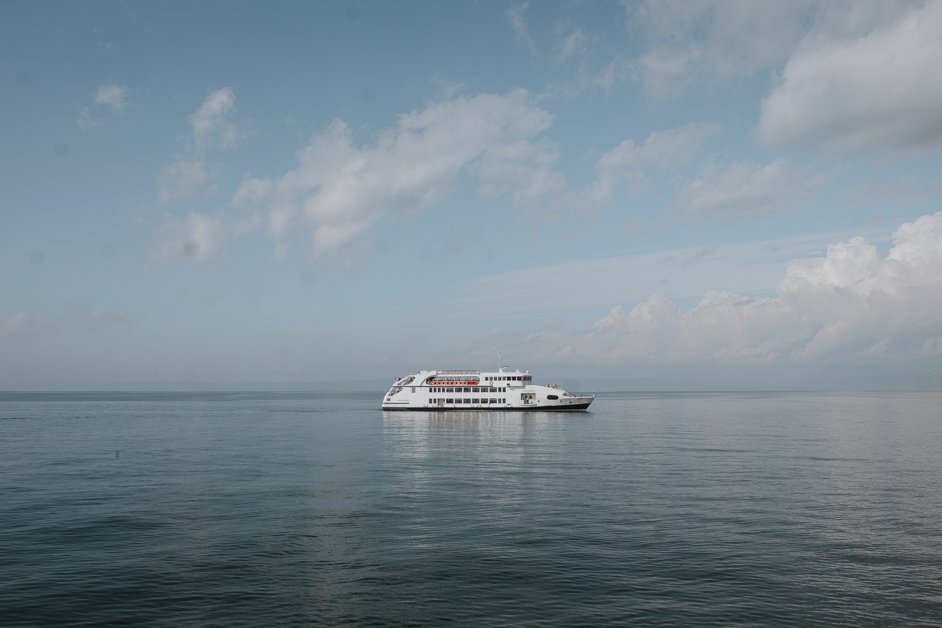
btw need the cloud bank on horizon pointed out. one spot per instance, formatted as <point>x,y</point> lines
<point>850,303</point>
<point>661,161</point>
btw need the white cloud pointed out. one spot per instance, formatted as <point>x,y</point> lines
<point>86,119</point>
<point>627,165</point>
<point>685,42</point>
<point>341,190</point>
<point>203,238</point>
<point>190,173</point>
<point>112,97</point>
<point>616,70</point>
<point>518,22</point>
<point>108,99</point>
<point>875,91</point>
<point>574,43</point>
<point>850,304</point>
<point>197,238</point>
<point>185,177</point>
<point>746,189</point>
<point>211,123</point>
<point>200,237</point>
<point>695,40</point>
<point>18,324</point>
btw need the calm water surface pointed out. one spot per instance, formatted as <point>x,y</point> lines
<point>274,509</point>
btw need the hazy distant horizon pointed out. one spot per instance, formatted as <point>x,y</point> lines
<point>375,385</point>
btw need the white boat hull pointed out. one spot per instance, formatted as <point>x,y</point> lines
<point>480,391</point>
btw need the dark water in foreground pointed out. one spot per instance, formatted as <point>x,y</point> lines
<point>273,509</point>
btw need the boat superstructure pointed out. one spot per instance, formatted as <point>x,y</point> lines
<point>479,390</point>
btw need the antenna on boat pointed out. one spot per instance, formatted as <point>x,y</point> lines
<point>500,367</point>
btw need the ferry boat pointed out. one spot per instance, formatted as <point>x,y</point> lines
<point>479,390</point>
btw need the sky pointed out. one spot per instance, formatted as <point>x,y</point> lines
<point>645,195</point>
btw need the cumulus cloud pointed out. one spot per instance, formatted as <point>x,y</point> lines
<point>686,42</point>
<point>850,304</point>
<point>211,123</point>
<point>877,90</point>
<point>746,189</point>
<point>340,190</point>
<point>212,129</point>
<point>184,177</point>
<point>626,166</point>
<point>689,41</point>
<point>108,99</point>
<point>112,97</point>
<point>199,237</point>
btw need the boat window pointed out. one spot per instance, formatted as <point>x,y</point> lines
<point>552,397</point>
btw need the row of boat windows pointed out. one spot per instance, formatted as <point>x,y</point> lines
<point>468,389</point>
<point>508,378</point>
<point>466,400</point>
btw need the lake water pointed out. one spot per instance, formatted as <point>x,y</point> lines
<point>651,509</point>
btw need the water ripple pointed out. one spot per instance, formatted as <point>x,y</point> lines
<point>249,509</point>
